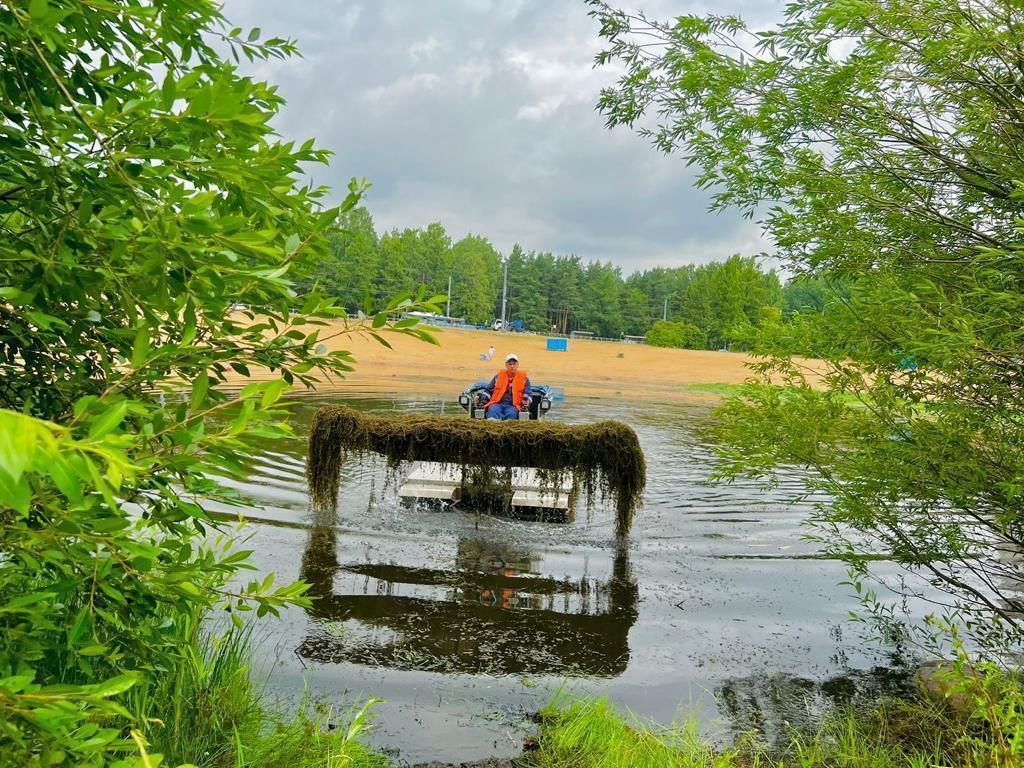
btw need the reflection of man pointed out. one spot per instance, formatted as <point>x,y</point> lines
<point>508,595</point>
<point>509,391</point>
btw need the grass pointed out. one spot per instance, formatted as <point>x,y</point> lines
<point>896,734</point>
<point>591,734</point>
<point>725,390</point>
<point>209,713</point>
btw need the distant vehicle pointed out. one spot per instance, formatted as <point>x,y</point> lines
<point>434,319</point>
<point>516,326</point>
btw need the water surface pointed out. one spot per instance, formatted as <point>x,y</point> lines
<point>465,624</point>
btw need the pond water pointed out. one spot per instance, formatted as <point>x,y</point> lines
<point>464,624</point>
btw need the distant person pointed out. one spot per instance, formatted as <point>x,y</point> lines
<point>509,391</point>
<point>490,352</point>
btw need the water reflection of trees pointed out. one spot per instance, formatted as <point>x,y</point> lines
<point>490,613</point>
<point>774,706</point>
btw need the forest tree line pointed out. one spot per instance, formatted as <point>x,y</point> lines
<point>689,306</point>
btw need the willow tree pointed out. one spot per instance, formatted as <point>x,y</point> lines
<point>881,144</point>
<point>143,198</point>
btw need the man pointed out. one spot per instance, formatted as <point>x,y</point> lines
<point>509,391</point>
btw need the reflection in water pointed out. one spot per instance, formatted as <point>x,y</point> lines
<point>492,613</point>
<point>774,706</point>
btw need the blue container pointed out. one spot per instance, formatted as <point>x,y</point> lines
<point>558,345</point>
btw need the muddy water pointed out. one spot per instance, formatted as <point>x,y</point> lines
<point>715,607</point>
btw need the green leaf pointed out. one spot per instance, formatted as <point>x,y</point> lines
<point>79,628</point>
<point>38,9</point>
<point>45,321</point>
<point>96,649</point>
<point>107,421</point>
<point>141,347</point>
<point>83,404</point>
<point>66,479</point>
<point>381,340</point>
<point>200,386</point>
<point>114,685</point>
<point>18,444</point>
<point>15,494</point>
<point>24,601</point>
<point>273,392</point>
<point>292,244</point>
<point>85,209</point>
<point>168,90</point>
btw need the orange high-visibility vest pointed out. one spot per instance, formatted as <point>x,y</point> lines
<point>518,387</point>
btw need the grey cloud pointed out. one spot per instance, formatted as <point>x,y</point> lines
<point>479,114</point>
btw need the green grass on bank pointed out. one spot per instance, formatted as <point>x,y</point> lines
<point>723,390</point>
<point>209,713</point>
<point>896,734</point>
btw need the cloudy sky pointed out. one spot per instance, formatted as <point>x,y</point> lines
<point>480,114</point>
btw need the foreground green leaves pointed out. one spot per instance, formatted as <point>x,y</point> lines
<point>149,225</point>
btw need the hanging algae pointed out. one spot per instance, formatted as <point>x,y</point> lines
<point>605,455</point>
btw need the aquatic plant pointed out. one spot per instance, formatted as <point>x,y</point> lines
<point>604,457</point>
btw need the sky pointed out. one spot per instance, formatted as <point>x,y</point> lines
<point>480,114</point>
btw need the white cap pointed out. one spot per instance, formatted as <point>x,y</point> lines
<point>511,356</point>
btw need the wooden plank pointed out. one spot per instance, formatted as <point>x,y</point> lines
<point>416,491</point>
<point>537,499</point>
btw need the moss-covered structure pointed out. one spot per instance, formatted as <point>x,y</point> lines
<point>603,457</point>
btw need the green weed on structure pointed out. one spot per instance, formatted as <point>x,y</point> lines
<point>605,456</point>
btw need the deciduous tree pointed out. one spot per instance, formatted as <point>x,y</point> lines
<point>882,141</point>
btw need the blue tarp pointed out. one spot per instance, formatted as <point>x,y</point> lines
<point>558,345</point>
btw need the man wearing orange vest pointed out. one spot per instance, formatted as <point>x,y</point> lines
<point>509,391</point>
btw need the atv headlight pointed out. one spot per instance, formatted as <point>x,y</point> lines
<point>545,404</point>
<point>464,400</point>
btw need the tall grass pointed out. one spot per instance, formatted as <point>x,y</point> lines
<point>591,734</point>
<point>988,733</point>
<point>208,712</point>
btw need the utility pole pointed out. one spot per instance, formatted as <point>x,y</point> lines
<point>664,313</point>
<point>448,309</point>
<point>504,293</point>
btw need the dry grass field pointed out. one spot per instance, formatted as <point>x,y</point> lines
<point>588,369</point>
